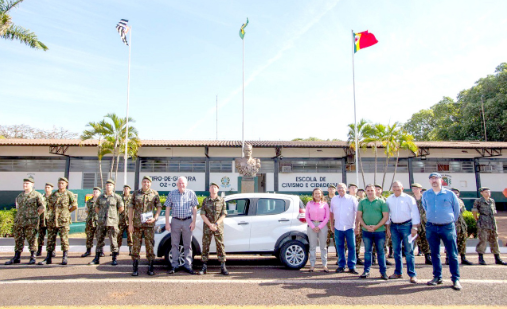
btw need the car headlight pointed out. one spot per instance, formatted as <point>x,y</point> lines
<point>159,229</point>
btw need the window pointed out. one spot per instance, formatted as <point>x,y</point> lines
<point>442,165</point>
<point>220,166</point>
<point>91,180</point>
<point>91,166</point>
<point>267,166</point>
<point>237,207</point>
<point>490,166</point>
<point>368,165</point>
<point>310,166</point>
<point>267,206</point>
<point>10,165</point>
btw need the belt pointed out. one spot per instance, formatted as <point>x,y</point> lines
<point>182,219</point>
<point>439,224</point>
<point>402,222</point>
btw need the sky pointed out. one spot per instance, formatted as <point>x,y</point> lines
<point>298,64</point>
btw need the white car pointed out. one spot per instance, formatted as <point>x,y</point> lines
<point>256,223</point>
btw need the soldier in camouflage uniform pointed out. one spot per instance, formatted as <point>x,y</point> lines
<point>123,223</point>
<point>43,220</point>
<point>91,221</point>
<point>213,213</point>
<point>143,201</point>
<point>30,205</point>
<point>359,236</point>
<point>61,203</point>
<point>422,242</point>
<point>486,226</point>
<point>331,192</point>
<point>108,205</point>
<point>378,193</point>
<point>461,232</point>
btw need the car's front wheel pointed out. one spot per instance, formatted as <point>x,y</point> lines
<point>181,258</point>
<point>294,254</point>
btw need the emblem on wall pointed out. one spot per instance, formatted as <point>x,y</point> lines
<point>226,182</point>
<point>446,180</point>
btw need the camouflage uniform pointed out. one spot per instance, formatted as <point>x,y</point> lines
<point>43,224</point>
<point>142,202</point>
<point>359,237</point>
<point>486,225</point>
<point>59,218</point>
<point>91,223</point>
<point>330,229</point>
<point>213,209</point>
<point>107,222</point>
<point>461,229</point>
<point>123,223</point>
<point>422,242</point>
<point>26,222</point>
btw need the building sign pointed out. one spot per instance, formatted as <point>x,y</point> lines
<point>167,181</point>
<point>446,180</point>
<point>307,182</point>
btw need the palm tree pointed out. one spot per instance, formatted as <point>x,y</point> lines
<point>375,139</point>
<point>404,140</point>
<point>10,31</point>
<point>390,144</point>
<point>363,130</point>
<point>97,131</point>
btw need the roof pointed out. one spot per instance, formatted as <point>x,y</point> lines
<point>255,144</point>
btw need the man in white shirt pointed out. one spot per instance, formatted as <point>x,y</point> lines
<point>343,217</point>
<point>403,222</point>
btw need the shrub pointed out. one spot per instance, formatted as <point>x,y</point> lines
<point>7,222</point>
<point>471,224</point>
<point>305,198</point>
<point>200,198</point>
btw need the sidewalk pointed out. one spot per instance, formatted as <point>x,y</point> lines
<point>501,223</point>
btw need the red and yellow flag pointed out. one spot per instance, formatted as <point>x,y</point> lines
<point>363,39</point>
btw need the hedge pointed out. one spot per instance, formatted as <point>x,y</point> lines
<point>7,222</point>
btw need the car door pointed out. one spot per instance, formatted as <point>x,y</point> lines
<point>271,220</point>
<point>236,226</point>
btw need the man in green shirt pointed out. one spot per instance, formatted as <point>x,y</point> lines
<point>372,214</point>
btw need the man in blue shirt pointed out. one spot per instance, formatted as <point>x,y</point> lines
<point>442,211</point>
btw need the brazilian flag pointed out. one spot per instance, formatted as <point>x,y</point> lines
<point>242,30</point>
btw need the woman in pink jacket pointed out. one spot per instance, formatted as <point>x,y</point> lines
<point>317,216</point>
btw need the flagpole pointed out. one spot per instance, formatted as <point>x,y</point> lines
<point>217,119</point>
<point>355,118</point>
<point>127,118</point>
<point>243,111</point>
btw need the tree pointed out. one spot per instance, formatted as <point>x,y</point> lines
<point>375,139</point>
<point>363,131</point>
<point>10,31</point>
<point>98,132</point>
<point>421,124</point>
<point>27,132</point>
<point>403,140</point>
<point>389,142</point>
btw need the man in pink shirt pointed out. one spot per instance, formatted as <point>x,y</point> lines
<point>343,218</point>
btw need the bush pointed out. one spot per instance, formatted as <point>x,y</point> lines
<point>305,198</point>
<point>200,198</point>
<point>471,224</point>
<point>7,222</point>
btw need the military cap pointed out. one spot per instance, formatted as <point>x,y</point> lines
<point>63,179</point>
<point>435,174</point>
<point>352,184</point>
<point>214,184</point>
<point>332,186</point>
<point>97,188</point>
<point>378,186</point>
<point>127,186</point>
<point>148,178</point>
<point>454,189</point>
<point>110,181</point>
<point>416,185</point>
<point>483,189</point>
<point>360,190</point>
<point>49,184</point>
<point>29,179</point>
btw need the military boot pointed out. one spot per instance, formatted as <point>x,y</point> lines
<point>32,258</point>
<point>87,253</point>
<point>15,259</point>
<point>96,260</point>
<point>150,268</point>
<point>65,257</point>
<point>135,268</point>
<point>39,251</point>
<point>130,250</point>
<point>48,260</point>
<point>223,270</point>
<point>204,269</point>
<point>115,262</point>
<point>498,260</point>
<point>427,259</point>
<point>464,260</point>
<point>481,259</point>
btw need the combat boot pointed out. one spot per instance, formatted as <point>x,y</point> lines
<point>204,269</point>
<point>48,260</point>
<point>96,260</point>
<point>135,268</point>
<point>15,259</point>
<point>130,250</point>
<point>39,251</point>
<point>464,260</point>
<point>498,260</point>
<point>65,257</point>
<point>427,259</point>
<point>32,258</point>
<point>223,270</point>
<point>150,268</point>
<point>115,262</point>
<point>481,259</point>
<point>87,253</point>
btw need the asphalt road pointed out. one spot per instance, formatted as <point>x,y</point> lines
<point>254,280</point>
